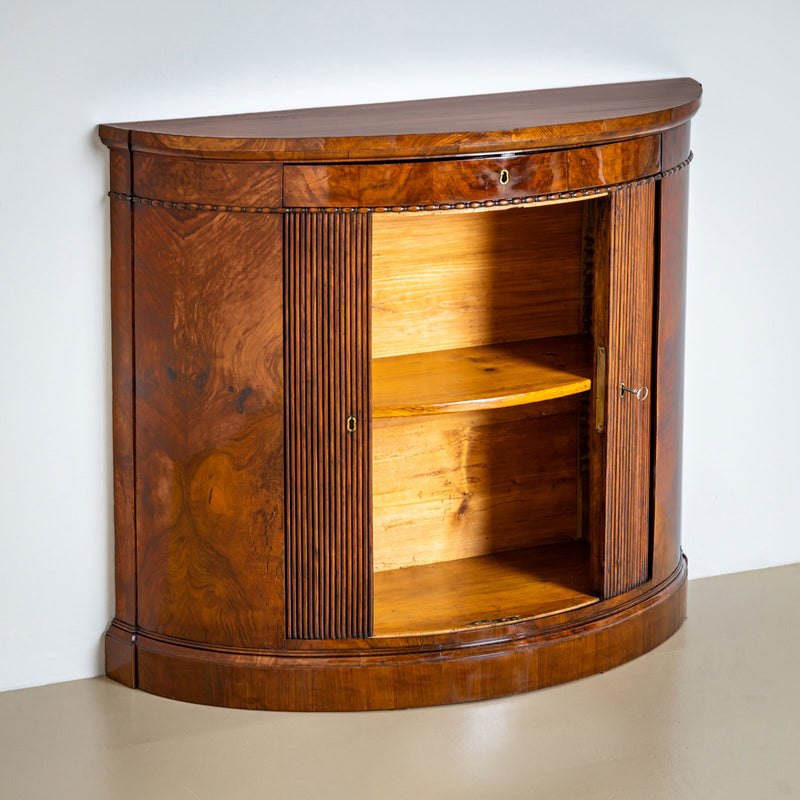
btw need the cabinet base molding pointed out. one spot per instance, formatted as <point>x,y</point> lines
<point>369,675</point>
<point>120,646</point>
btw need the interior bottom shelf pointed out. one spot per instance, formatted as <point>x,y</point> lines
<point>453,595</point>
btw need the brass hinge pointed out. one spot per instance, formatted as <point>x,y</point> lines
<point>600,391</point>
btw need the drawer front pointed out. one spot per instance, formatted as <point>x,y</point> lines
<point>431,183</point>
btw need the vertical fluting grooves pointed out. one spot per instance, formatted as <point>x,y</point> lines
<point>329,564</point>
<point>630,350</point>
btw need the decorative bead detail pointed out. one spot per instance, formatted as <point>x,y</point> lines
<point>147,201</point>
<point>513,201</point>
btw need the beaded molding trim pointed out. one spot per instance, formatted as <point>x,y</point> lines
<point>513,201</point>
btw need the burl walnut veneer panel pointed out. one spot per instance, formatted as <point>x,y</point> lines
<point>209,426</point>
<point>463,182</point>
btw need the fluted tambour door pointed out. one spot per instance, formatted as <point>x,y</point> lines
<point>625,332</point>
<point>328,541</point>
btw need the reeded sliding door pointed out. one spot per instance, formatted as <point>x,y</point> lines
<point>328,501</point>
<point>623,309</point>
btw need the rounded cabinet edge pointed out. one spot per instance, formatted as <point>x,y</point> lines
<point>371,680</point>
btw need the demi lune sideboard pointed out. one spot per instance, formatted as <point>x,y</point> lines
<point>397,396</point>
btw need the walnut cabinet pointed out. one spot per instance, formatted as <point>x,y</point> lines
<point>397,396</point>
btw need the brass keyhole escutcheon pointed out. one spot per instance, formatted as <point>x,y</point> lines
<point>351,424</point>
<point>504,176</point>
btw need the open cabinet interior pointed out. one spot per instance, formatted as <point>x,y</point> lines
<point>482,368</point>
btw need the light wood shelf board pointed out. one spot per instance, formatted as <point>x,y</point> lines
<point>473,378</point>
<point>452,595</point>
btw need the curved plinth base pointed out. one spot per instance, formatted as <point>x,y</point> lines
<point>382,674</point>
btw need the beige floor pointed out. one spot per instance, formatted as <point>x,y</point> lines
<point>712,713</point>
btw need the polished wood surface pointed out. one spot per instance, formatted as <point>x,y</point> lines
<point>487,253</point>
<point>621,451</point>
<point>329,571</point>
<point>668,399</point>
<point>613,163</point>
<point>531,655</point>
<point>187,180</point>
<point>515,121</point>
<point>209,426</point>
<point>122,403</point>
<point>426,182</point>
<point>482,590</point>
<point>675,146</point>
<point>463,182</point>
<point>446,281</point>
<point>460,485</point>
<point>490,376</point>
<point>629,367</point>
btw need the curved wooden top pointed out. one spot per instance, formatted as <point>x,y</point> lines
<point>518,121</point>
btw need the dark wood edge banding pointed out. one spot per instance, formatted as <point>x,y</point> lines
<point>574,194</point>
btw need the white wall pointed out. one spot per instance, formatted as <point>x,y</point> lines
<point>67,66</point>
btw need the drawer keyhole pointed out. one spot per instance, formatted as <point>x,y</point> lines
<point>504,176</point>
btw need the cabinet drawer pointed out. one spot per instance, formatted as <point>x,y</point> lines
<point>422,183</point>
<point>427,183</point>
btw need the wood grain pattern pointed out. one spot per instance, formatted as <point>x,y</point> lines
<point>455,486</point>
<point>122,381</point>
<point>432,182</point>
<point>209,426</point>
<point>624,314</point>
<point>186,180</point>
<point>613,163</point>
<point>531,655</point>
<point>329,568</point>
<point>483,590</point>
<point>446,281</point>
<point>471,378</point>
<point>668,394</point>
<point>424,182</point>
<point>516,121</point>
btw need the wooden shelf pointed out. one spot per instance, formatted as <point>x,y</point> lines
<point>453,595</point>
<point>473,378</point>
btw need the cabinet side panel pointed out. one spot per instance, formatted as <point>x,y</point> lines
<point>668,412</point>
<point>122,390</point>
<point>329,560</point>
<point>209,426</point>
<point>625,541</point>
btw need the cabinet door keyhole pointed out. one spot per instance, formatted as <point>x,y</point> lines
<point>351,424</point>
<point>640,394</point>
